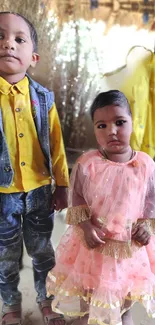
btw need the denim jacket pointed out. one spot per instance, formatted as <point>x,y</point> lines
<point>41,101</point>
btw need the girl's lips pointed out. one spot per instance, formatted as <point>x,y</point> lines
<point>114,142</point>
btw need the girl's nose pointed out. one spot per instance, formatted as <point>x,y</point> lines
<point>112,130</point>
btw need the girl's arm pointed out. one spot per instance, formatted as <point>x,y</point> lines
<point>141,234</point>
<point>78,210</point>
<point>145,226</point>
<point>78,213</point>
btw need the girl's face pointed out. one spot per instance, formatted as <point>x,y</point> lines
<point>113,128</point>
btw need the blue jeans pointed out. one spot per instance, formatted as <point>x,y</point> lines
<point>28,214</point>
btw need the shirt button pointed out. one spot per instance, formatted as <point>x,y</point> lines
<point>23,163</point>
<point>17,109</point>
<point>7,168</point>
<point>21,135</point>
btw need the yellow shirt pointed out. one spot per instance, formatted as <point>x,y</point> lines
<point>139,88</point>
<point>27,159</point>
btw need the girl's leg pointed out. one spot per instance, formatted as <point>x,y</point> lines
<point>81,321</point>
<point>127,318</point>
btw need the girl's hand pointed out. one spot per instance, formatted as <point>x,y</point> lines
<point>93,235</point>
<point>140,234</point>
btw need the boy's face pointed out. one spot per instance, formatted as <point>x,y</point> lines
<point>16,47</point>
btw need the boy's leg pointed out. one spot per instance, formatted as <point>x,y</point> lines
<point>21,256</point>
<point>37,230</point>
<point>11,208</point>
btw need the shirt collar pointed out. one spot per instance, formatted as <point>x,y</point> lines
<point>22,86</point>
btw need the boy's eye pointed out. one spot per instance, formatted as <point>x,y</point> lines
<point>120,122</point>
<point>1,36</point>
<point>20,40</point>
<point>101,126</point>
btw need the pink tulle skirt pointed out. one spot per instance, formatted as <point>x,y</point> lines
<point>85,281</point>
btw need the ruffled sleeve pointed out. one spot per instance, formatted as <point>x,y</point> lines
<point>77,214</point>
<point>148,219</point>
<point>78,210</point>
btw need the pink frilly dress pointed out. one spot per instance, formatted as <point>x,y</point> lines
<point>105,281</point>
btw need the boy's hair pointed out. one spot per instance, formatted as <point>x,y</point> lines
<point>33,33</point>
<point>111,97</point>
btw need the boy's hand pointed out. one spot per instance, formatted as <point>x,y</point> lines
<point>60,197</point>
<point>93,235</point>
<point>140,234</point>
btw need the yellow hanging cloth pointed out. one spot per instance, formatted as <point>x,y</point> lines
<point>140,91</point>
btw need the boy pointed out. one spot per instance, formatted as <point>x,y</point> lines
<point>32,160</point>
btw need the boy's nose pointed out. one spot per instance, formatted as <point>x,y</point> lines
<point>8,45</point>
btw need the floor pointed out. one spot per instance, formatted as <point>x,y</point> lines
<point>31,313</point>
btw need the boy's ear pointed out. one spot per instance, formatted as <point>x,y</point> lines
<point>35,59</point>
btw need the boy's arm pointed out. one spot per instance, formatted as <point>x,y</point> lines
<point>59,161</point>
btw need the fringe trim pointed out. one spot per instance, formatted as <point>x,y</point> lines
<point>87,297</point>
<point>114,248</point>
<point>77,214</point>
<point>149,223</point>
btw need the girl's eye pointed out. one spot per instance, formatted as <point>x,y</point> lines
<point>1,36</point>
<point>101,126</point>
<point>120,122</point>
<point>20,40</point>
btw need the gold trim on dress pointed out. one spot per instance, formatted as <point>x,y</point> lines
<point>114,248</point>
<point>97,321</point>
<point>77,214</point>
<point>87,296</point>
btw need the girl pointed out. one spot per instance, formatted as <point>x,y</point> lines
<point>102,269</point>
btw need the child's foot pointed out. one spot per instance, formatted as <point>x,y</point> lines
<point>81,321</point>
<point>127,318</point>
<point>49,316</point>
<point>12,315</point>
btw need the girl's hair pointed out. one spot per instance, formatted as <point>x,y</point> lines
<point>32,29</point>
<point>111,97</point>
